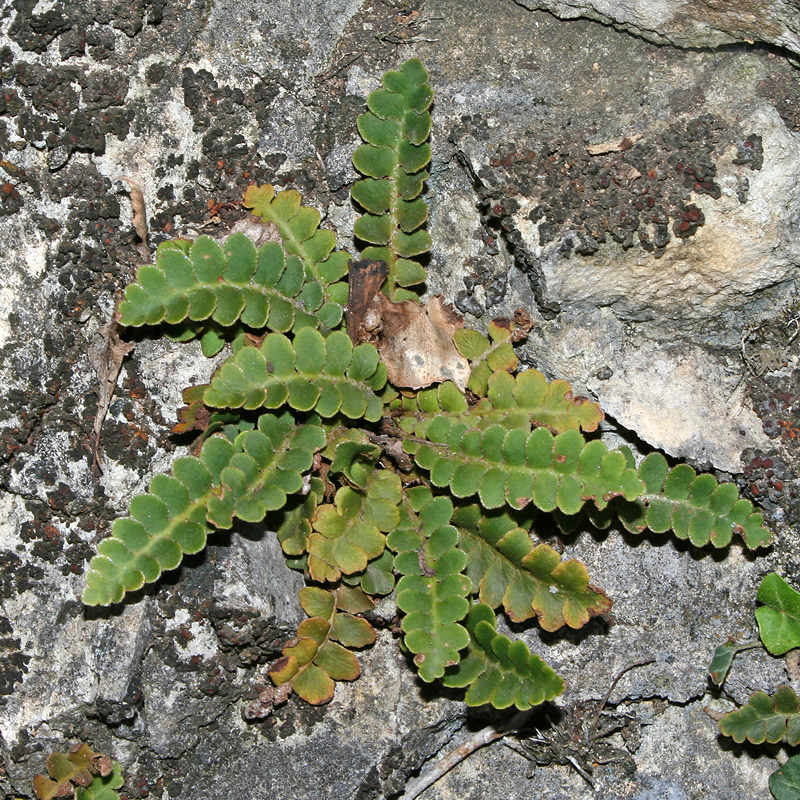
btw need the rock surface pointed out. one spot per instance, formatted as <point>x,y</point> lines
<point>689,24</point>
<point>546,133</point>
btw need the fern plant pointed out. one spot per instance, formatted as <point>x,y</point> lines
<point>431,493</point>
<point>768,718</point>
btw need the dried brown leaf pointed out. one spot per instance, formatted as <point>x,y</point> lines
<point>139,216</point>
<point>617,146</point>
<point>106,355</point>
<point>365,281</point>
<point>416,342</point>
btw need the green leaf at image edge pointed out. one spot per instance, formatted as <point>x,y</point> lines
<point>784,783</point>
<point>779,616</point>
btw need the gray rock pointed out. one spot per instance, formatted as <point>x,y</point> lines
<point>223,94</point>
<point>689,24</point>
<point>604,227</point>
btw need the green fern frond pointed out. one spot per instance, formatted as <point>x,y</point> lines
<point>765,719</point>
<point>212,287</point>
<point>103,787</point>
<point>292,523</point>
<point>524,400</point>
<point>486,355</point>
<point>311,372</point>
<point>352,531</point>
<point>507,569</point>
<point>432,591</point>
<point>298,226</point>
<point>515,467</point>
<point>500,671</point>
<point>320,654</point>
<point>395,131</point>
<point>244,478</point>
<point>695,507</point>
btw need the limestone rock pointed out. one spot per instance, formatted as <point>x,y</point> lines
<point>652,240</point>
<point>195,101</point>
<point>689,24</point>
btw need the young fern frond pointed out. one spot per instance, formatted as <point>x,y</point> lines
<point>432,592</point>
<point>500,671</point>
<point>486,355</point>
<point>241,479</point>
<point>320,654</point>
<point>507,569</point>
<point>298,226</point>
<point>82,774</point>
<point>309,372</point>
<point>352,531</point>
<point>394,156</point>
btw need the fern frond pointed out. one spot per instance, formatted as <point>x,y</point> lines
<point>486,355</point>
<point>298,226</point>
<point>433,590</point>
<point>292,523</point>
<point>352,531</point>
<point>378,578</point>
<point>507,569</point>
<point>515,467</point>
<point>524,400</point>
<point>244,478</point>
<point>214,287</point>
<point>765,719</point>
<point>103,787</point>
<point>82,773</point>
<point>695,507</point>
<point>320,654</point>
<point>500,671</point>
<point>311,372</point>
<point>395,131</point>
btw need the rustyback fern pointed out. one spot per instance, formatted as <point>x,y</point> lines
<point>393,159</point>
<point>500,671</point>
<point>241,479</point>
<point>434,495</point>
<point>309,372</point>
<point>694,507</point>
<point>82,773</point>
<point>515,467</point>
<point>433,590</point>
<point>321,652</point>
<point>524,400</point>
<point>765,719</point>
<point>508,569</point>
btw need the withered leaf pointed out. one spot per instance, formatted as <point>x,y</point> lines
<point>416,342</point>
<point>617,146</point>
<point>365,281</point>
<point>106,355</point>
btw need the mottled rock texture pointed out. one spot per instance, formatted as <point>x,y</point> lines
<point>690,23</point>
<point>551,138</point>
